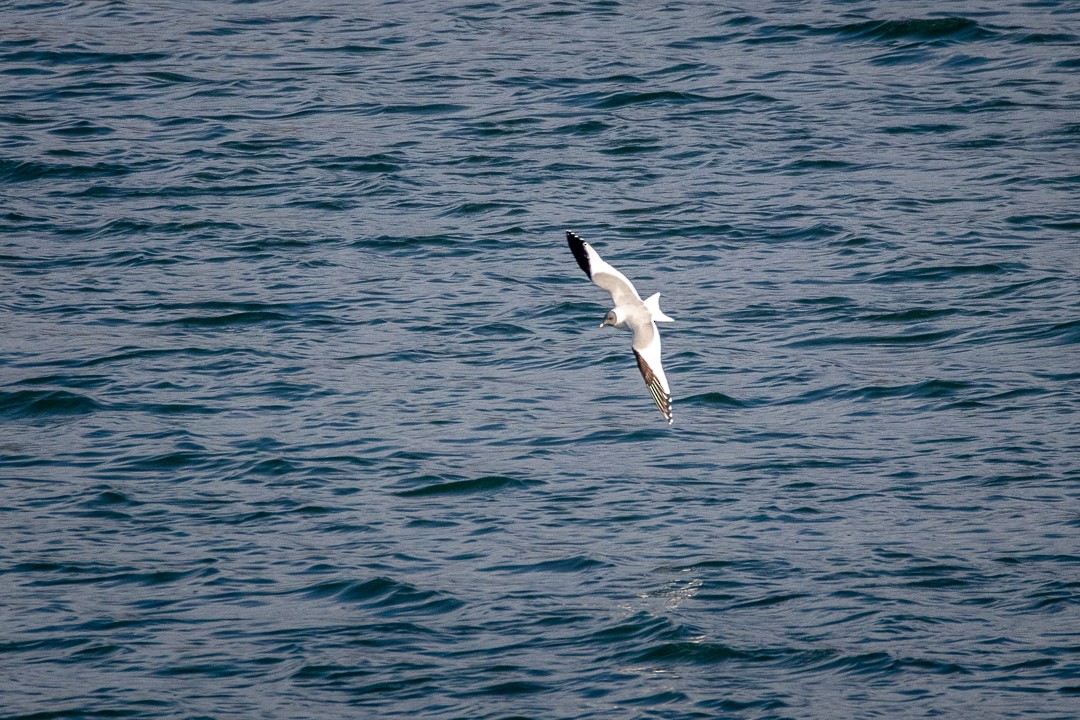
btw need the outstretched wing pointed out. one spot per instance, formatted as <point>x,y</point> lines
<point>603,275</point>
<point>647,354</point>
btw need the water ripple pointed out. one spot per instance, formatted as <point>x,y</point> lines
<point>305,411</point>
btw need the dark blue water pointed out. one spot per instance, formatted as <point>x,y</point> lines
<point>304,410</point>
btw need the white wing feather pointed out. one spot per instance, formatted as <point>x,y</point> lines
<point>640,315</point>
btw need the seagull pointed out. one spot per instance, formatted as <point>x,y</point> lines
<point>630,311</point>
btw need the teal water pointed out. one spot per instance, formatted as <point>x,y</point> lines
<point>304,410</point>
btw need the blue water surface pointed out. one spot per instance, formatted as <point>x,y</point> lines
<point>305,413</point>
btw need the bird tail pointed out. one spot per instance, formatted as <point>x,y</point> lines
<point>653,303</point>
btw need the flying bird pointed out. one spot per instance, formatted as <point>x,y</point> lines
<point>631,312</point>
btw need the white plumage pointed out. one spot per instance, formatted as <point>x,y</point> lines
<point>630,311</point>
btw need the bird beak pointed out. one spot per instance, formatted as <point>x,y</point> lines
<point>603,323</point>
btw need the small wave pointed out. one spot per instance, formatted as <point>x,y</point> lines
<point>179,409</point>
<point>110,498</point>
<point>715,399</point>
<point>777,35</point>
<point>170,78</point>
<point>588,127</point>
<point>1049,39</point>
<point>1036,222</point>
<point>485,484</point>
<point>799,166</point>
<point>816,231</point>
<point>944,273</point>
<point>149,353</point>
<point>882,663</point>
<point>702,565</point>
<point>49,645</point>
<point>83,575</point>
<point>1048,333</point>
<point>81,57</point>
<point>767,601</point>
<point>925,338</point>
<point>632,149</point>
<point>921,129</point>
<point>250,317</point>
<point>423,109</point>
<point>511,688</point>
<point>499,329</point>
<point>639,628</point>
<point>377,163</point>
<point>81,128</point>
<point>163,462</point>
<point>503,128</point>
<point>351,49</point>
<point>410,243</point>
<point>30,170</point>
<point>670,97</point>
<point>930,389</point>
<point>385,594</point>
<point>476,208</point>
<point>949,28</point>
<point>69,381</point>
<point>130,226</point>
<point>703,41</point>
<point>577,563</point>
<point>1055,595</point>
<point>696,653</point>
<point>32,403</point>
<point>332,674</point>
<point>912,315</point>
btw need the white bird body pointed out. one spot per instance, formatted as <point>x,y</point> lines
<point>631,312</point>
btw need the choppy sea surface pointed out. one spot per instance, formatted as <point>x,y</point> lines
<point>305,413</point>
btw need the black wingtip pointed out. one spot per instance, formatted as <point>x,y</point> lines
<point>577,246</point>
<point>659,395</point>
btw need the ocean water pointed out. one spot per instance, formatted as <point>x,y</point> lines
<point>305,413</point>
